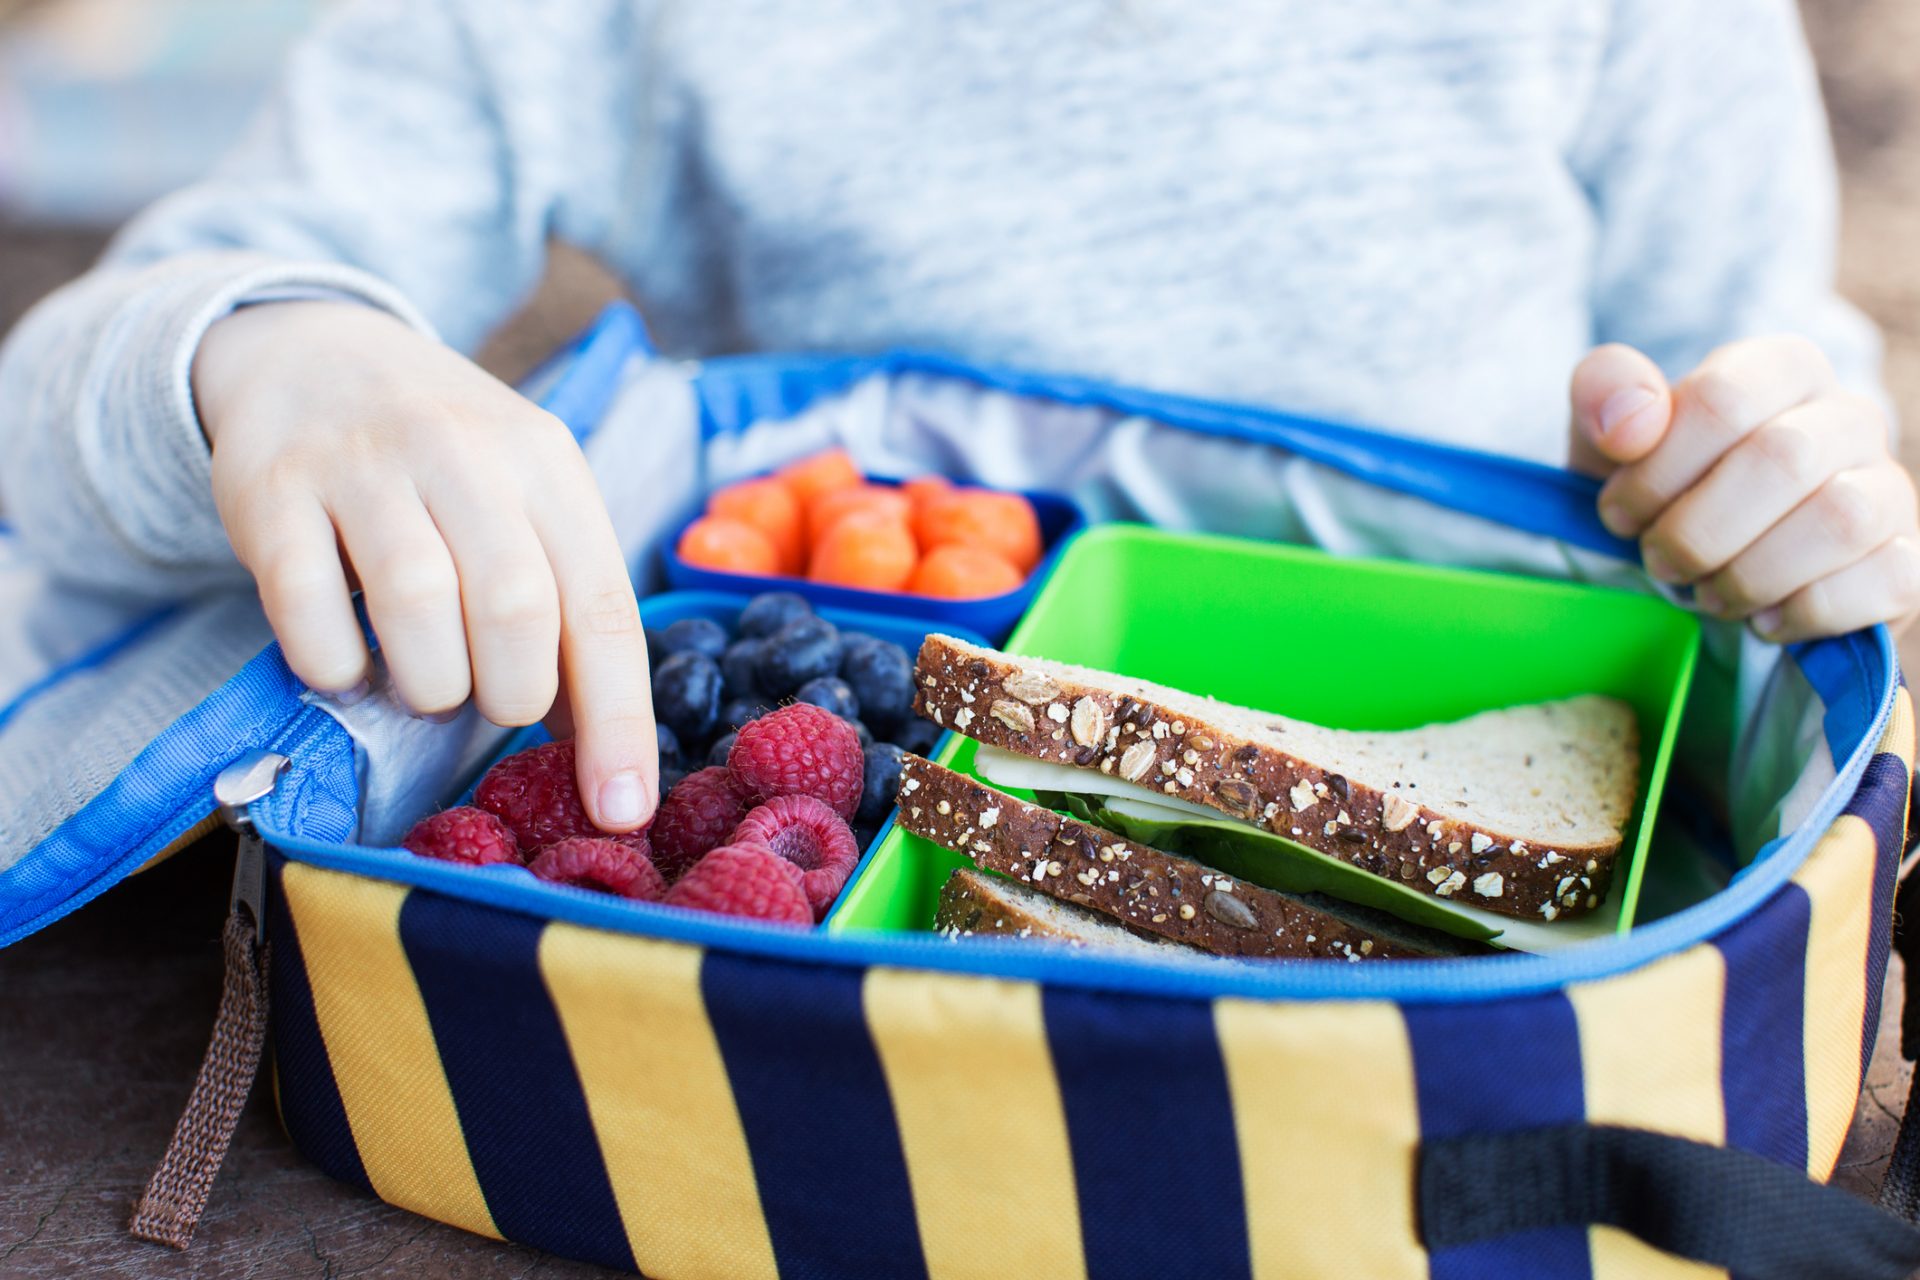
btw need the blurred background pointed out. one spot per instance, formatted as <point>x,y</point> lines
<point>107,104</point>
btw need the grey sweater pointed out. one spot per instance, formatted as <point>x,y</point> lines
<point>1412,213</point>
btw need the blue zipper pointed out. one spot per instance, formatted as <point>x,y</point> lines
<point>1407,981</point>
<point>737,391</point>
<point>288,738</point>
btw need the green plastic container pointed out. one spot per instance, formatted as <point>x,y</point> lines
<point>1356,644</point>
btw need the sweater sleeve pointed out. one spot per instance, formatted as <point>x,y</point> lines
<point>394,165</point>
<point>1706,157</point>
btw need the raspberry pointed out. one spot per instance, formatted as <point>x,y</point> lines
<point>800,750</point>
<point>810,836</point>
<point>535,794</point>
<point>466,834</point>
<point>695,817</point>
<point>744,880</point>
<point>612,866</point>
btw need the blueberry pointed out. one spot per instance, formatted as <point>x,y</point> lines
<point>693,635</point>
<point>739,711</point>
<point>832,693</point>
<point>654,641</point>
<point>686,695</point>
<point>740,668</point>
<point>669,779</point>
<point>881,677</point>
<point>669,747</point>
<point>880,783</point>
<point>865,734</point>
<point>769,611</point>
<point>798,652</point>
<point>717,754</point>
<point>864,836</point>
<point>916,735</point>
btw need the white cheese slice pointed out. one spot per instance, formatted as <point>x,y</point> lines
<point>1006,769</point>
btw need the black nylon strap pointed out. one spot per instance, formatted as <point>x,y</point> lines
<point>1900,1187</point>
<point>1727,1208</point>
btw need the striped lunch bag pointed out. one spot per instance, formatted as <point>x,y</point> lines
<point>692,1096</point>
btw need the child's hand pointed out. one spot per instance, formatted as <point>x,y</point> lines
<point>1757,479</point>
<point>349,450</point>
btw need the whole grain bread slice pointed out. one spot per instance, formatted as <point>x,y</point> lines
<point>974,904</point>
<point>1143,888</point>
<point>1518,810</point>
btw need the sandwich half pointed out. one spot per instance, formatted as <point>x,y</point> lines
<point>1148,891</point>
<point>974,904</point>
<point>1518,811</point>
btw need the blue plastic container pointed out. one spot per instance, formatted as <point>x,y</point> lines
<point>991,616</point>
<point>724,608</point>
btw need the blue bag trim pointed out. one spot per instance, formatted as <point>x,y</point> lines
<point>737,391</point>
<point>167,789</point>
<point>594,364</point>
<point>1853,674</point>
<point>163,793</point>
<point>1406,981</point>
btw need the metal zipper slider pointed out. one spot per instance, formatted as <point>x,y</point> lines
<point>252,777</point>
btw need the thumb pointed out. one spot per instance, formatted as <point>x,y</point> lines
<point>1621,408</point>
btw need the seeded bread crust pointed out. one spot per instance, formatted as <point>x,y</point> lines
<point>1147,890</point>
<point>991,698</point>
<point>974,904</point>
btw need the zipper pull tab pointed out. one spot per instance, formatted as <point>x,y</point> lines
<point>176,1195</point>
<point>252,777</point>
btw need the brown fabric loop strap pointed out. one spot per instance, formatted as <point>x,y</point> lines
<point>177,1194</point>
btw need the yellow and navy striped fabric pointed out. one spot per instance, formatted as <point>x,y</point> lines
<point>652,1106</point>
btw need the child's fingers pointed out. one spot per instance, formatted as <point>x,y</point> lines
<point>1621,404</point>
<point>412,592</point>
<point>1762,478</point>
<point>603,649</point>
<point>1846,518</point>
<point>508,597</point>
<point>295,562</point>
<point>1736,389</point>
<point>1884,586</point>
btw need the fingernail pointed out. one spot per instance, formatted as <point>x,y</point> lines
<point>1707,598</point>
<point>359,692</point>
<point>441,717</point>
<point>1767,622</point>
<point>1659,566</point>
<point>620,800</point>
<point>1614,516</point>
<point>1622,405</point>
